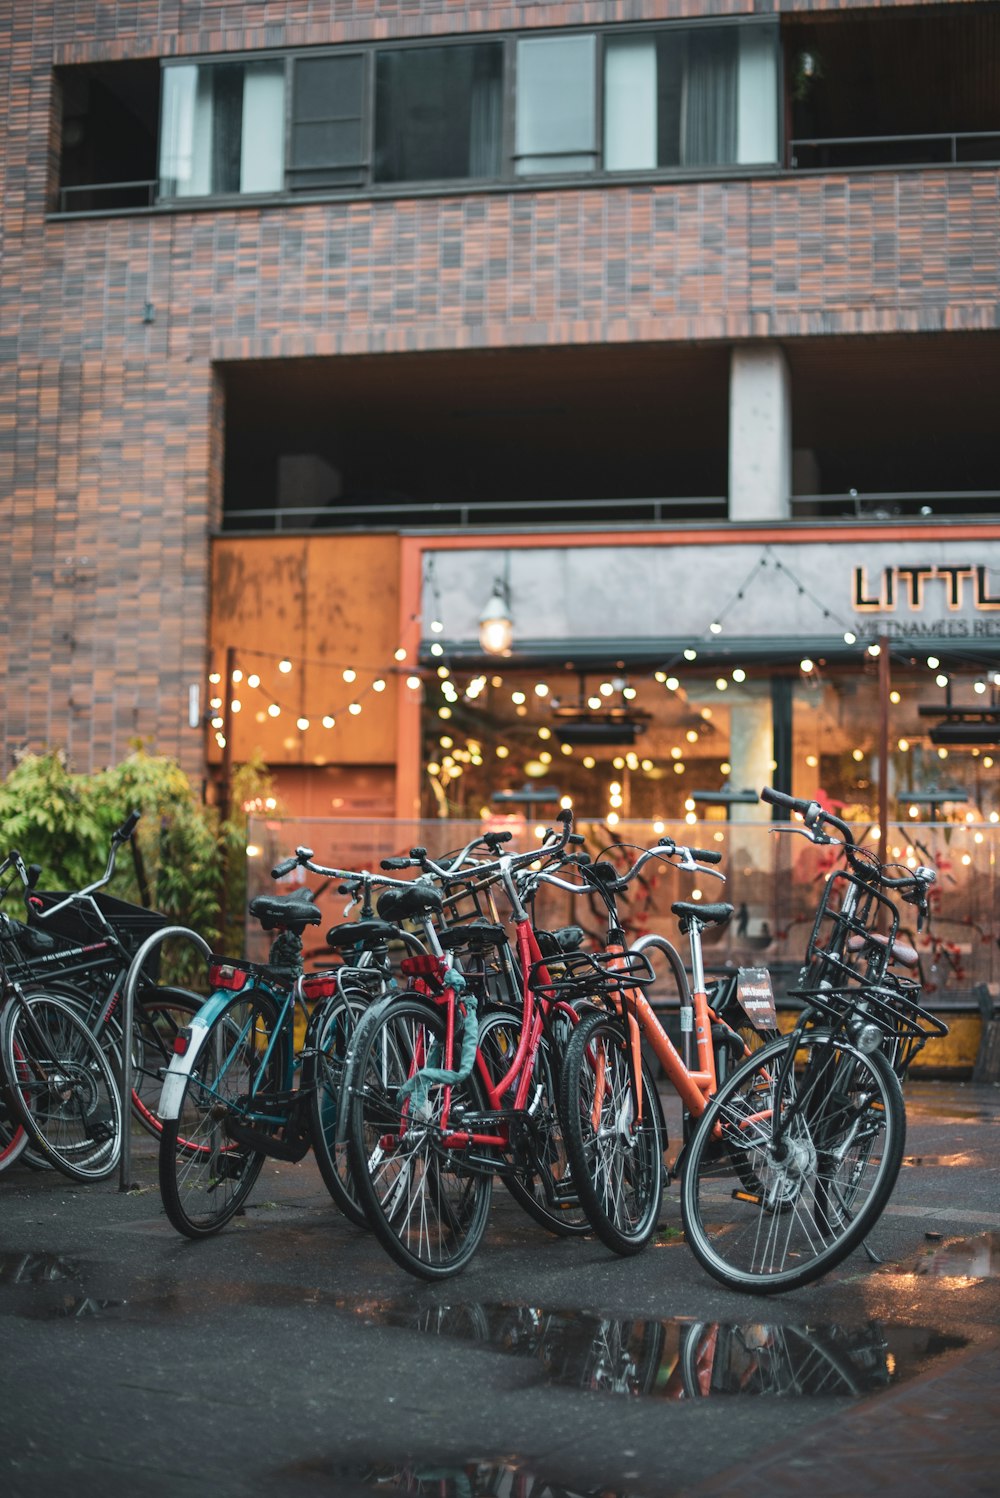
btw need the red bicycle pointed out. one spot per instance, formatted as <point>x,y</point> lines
<point>442,1096</point>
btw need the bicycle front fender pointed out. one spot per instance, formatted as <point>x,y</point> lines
<point>181,1067</point>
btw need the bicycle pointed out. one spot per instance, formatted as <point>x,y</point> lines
<point>616,1134</point>
<point>429,1122</point>
<point>230,1097</point>
<point>58,1085</point>
<point>795,1158</point>
<point>80,947</point>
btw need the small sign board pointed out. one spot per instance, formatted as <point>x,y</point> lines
<point>756,997</point>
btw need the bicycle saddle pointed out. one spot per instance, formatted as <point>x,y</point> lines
<point>401,904</point>
<point>292,912</point>
<point>361,934</point>
<point>477,935</point>
<point>707,915</point>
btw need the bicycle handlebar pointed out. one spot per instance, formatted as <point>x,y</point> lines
<point>125,831</point>
<point>813,814</point>
<point>810,811</point>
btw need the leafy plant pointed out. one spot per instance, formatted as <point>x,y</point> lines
<point>183,862</point>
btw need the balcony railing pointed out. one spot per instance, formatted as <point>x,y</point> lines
<point>517,514</point>
<point>584,514</point>
<point>107,197</point>
<point>959,148</point>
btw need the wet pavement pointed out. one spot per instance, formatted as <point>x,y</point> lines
<point>289,1355</point>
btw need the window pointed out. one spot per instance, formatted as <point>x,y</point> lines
<point>556,105</point>
<point>222,128</point>
<point>438,113</point>
<point>327,127</point>
<point>691,97</point>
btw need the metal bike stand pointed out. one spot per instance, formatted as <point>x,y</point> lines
<point>128,1006</point>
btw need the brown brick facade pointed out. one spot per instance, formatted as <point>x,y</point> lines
<point>110,426</point>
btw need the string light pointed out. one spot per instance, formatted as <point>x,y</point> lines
<point>354,708</point>
<point>413,682</point>
<point>284,667</point>
<point>274,711</point>
<point>302,723</point>
<point>236,705</point>
<point>437,649</point>
<point>253,680</point>
<point>400,654</point>
<point>237,675</point>
<point>329,722</point>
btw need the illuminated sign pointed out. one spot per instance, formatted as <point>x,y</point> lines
<point>907,586</point>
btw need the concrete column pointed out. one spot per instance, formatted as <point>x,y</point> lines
<point>751,750</point>
<point>760,434</point>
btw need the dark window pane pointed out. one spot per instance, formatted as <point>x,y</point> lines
<point>326,144</point>
<point>327,85</point>
<point>438,113</point>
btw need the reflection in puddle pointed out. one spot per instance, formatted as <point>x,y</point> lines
<point>941,1160</point>
<point>960,1261</point>
<point>477,1479</point>
<point>37,1269</point>
<point>669,1360</point>
<point>682,1359</point>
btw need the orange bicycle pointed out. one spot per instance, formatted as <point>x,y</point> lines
<point>613,1122</point>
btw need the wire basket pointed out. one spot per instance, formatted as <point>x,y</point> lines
<point>590,975</point>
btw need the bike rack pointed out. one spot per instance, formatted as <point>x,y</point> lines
<point>128,1005</point>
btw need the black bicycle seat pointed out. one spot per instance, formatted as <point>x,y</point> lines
<point>707,915</point>
<point>361,934</point>
<point>292,912</point>
<point>412,903</point>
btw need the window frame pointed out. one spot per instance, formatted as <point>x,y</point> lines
<point>509,178</point>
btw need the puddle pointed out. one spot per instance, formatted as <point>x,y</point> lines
<point>631,1357</point>
<point>683,1359</point>
<point>958,1261</point>
<point>942,1160</point>
<point>473,1479</point>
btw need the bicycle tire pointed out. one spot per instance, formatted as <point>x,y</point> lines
<point>63,1089</point>
<point>768,1360</point>
<point>324,1083</point>
<point>205,1176</point>
<point>554,1203</point>
<point>762,1218</point>
<point>13,1135</point>
<point>617,1165</point>
<point>158,1016</point>
<point>426,1210</point>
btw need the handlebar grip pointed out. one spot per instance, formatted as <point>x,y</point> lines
<point>349,889</point>
<point>127,828</point>
<point>706,855</point>
<point>418,852</point>
<point>493,840</point>
<point>577,838</point>
<point>396,863</point>
<point>34,872</point>
<point>284,867</point>
<point>778,798</point>
<point>566,816</point>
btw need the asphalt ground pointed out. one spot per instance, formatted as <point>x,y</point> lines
<point>289,1355</point>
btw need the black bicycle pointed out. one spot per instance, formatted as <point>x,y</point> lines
<point>79,947</point>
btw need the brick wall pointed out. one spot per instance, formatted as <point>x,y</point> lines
<point>110,426</point>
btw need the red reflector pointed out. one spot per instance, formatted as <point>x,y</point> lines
<point>320,987</point>
<point>224,975</point>
<point>181,1042</point>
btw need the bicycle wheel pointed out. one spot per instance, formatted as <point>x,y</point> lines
<point>205,1174</point>
<point>158,1015</point>
<point>13,1135</point>
<point>427,1209</point>
<point>760,1359</point>
<point>540,1178</point>
<point>335,1030</point>
<point>63,1089</point>
<point>617,1161</point>
<point>791,1165</point>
